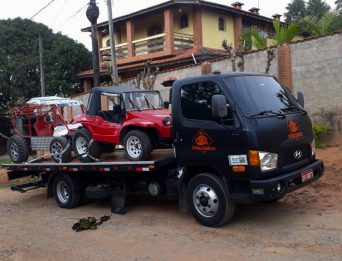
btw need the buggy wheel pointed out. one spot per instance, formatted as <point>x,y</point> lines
<point>57,145</point>
<point>80,143</point>
<point>17,149</point>
<point>208,200</point>
<point>137,145</point>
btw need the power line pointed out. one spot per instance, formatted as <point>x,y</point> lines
<point>42,9</point>
<point>59,13</point>
<point>72,16</point>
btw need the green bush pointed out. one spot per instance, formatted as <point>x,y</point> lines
<point>320,131</point>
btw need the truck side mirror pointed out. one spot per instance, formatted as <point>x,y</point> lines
<point>300,98</point>
<point>166,104</point>
<point>219,106</point>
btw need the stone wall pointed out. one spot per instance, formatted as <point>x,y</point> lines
<point>316,71</point>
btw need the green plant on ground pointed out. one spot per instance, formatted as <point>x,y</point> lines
<point>320,131</point>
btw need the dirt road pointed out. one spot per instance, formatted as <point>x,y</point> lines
<point>305,225</point>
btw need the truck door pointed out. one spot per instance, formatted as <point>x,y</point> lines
<point>199,138</point>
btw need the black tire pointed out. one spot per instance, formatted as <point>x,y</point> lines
<point>57,145</point>
<point>65,195</point>
<point>17,149</point>
<point>208,200</point>
<point>137,145</point>
<point>80,142</point>
<point>97,191</point>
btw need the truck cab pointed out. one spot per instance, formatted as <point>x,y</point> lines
<point>239,138</point>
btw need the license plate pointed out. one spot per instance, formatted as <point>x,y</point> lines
<point>306,175</point>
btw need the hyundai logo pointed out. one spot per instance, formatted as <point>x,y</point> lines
<point>298,154</point>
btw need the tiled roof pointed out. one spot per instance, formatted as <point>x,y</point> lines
<point>177,2</point>
<point>200,52</point>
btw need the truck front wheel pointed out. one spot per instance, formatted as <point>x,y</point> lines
<point>208,200</point>
<point>65,195</point>
<point>137,145</point>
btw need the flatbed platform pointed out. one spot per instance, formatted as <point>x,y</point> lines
<point>113,162</point>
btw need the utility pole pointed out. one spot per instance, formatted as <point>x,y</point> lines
<point>112,44</point>
<point>92,15</point>
<point>41,60</point>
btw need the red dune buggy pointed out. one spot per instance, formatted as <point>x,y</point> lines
<point>137,119</point>
<point>40,126</point>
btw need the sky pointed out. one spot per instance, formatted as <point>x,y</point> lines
<point>68,16</point>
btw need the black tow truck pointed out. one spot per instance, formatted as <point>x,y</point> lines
<point>237,138</point>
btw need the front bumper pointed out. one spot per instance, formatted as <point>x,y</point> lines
<point>266,190</point>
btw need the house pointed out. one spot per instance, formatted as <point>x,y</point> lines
<point>174,33</point>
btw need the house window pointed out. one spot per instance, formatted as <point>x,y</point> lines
<point>183,21</point>
<point>108,43</point>
<point>222,24</point>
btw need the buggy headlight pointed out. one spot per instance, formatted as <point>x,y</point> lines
<point>268,160</point>
<point>167,121</point>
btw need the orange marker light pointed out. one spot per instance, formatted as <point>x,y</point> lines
<point>239,169</point>
<point>253,158</point>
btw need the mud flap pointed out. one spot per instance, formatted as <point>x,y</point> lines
<point>117,195</point>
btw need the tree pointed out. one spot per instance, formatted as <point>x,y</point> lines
<point>316,26</point>
<point>253,37</point>
<point>19,61</point>
<point>338,4</point>
<point>317,8</point>
<point>284,33</point>
<point>296,11</point>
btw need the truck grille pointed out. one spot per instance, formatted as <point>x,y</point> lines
<point>289,157</point>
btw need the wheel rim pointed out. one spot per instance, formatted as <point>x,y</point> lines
<point>14,151</point>
<point>56,147</point>
<point>81,145</point>
<point>205,200</point>
<point>133,146</point>
<point>62,192</point>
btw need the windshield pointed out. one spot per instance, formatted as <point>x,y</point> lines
<point>257,95</point>
<point>149,100</point>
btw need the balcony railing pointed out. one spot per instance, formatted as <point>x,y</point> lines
<point>152,44</point>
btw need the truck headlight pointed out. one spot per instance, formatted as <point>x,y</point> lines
<point>268,160</point>
<point>313,147</point>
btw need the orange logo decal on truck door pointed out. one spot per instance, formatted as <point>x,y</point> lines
<point>294,129</point>
<point>202,141</point>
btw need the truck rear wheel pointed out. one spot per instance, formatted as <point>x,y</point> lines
<point>57,145</point>
<point>208,200</point>
<point>137,145</point>
<point>17,149</point>
<point>80,143</point>
<point>65,195</point>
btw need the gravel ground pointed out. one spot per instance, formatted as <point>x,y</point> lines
<point>305,225</point>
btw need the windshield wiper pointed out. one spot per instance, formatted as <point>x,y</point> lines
<point>294,109</point>
<point>130,100</point>
<point>262,113</point>
<point>149,103</point>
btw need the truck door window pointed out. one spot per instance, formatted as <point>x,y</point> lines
<point>196,101</point>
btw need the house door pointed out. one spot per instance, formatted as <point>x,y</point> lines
<point>156,44</point>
